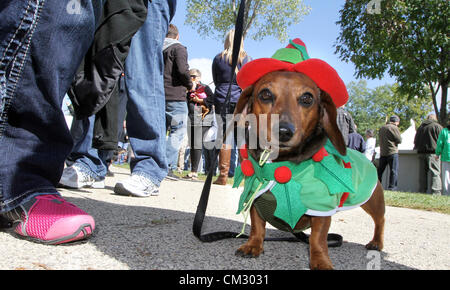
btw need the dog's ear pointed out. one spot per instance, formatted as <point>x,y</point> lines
<point>330,125</point>
<point>242,104</point>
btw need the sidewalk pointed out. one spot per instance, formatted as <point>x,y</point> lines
<point>156,233</point>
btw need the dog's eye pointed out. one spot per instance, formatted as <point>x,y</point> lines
<point>306,99</point>
<point>266,96</point>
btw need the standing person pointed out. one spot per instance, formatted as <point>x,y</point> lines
<point>425,143</point>
<point>390,137</point>
<point>42,43</point>
<point>176,82</point>
<point>443,150</point>
<point>345,123</point>
<point>200,103</point>
<point>221,71</point>
<point>145,118</point>
<point>371,142</point>
<point>95,94</point>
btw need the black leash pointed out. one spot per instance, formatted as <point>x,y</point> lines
<point>334,240</point>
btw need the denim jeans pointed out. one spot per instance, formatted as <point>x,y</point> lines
<point>145,89</point>
<point>93,160</point>
<point>41,46</point>
<point>176,123</point>
<point>392,161</point>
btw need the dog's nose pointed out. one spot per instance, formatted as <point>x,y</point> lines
<point>286,131</point>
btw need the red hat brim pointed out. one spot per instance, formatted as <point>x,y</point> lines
<point>325,76</point>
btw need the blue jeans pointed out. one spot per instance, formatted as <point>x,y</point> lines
<point>176,123</point>
<point>145,89</point>
<point>41,46</point>
<point>93,160</point>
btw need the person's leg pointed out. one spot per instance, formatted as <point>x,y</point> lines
<point>196,147</point>
<point>41,45</point>
<point>445,178</point>
<point>233,161</point>
<point>381,167</point>
<point>176,116</point>
<point>434,168</point>
<point>423,173</point>
<point>145,108</point>
<point>224,154</point>
<point>87,168</point>
<point>393,175</point>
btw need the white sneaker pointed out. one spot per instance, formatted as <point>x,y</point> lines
<point>77,177</point>
<point>136,185</point>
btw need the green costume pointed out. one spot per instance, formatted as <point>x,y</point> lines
<point>283,192</point>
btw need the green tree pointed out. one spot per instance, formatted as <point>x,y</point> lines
<point>370,108</point>
<point>262,17</point>
<point>409,39</point>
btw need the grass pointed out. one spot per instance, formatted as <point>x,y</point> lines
<point>420,201</point>
<point>411,200</point>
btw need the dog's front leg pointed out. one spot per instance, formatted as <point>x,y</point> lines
<point>254,246</point>
<point>318,246</point>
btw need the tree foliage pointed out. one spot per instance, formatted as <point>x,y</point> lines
<point>262,17</point>
<point>371,108</point>
<point>409,39</point>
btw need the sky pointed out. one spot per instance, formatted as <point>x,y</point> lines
<point>318,30</point>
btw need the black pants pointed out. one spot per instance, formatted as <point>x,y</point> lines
<point>196,134</point>
<point>392,161</point>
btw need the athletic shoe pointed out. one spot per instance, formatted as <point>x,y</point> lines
<point>77,176</point>
<point>171,176</point>
<point>136,185</point>
<point>52,220</point>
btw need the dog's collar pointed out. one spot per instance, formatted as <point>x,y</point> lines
<point>281,178</point>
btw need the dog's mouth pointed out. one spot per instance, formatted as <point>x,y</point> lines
<point>282,147</point>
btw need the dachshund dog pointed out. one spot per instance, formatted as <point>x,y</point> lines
<point>307,118</point>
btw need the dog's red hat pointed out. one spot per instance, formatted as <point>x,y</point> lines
<point>295,58</point>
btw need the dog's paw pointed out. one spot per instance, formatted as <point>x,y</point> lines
<point>321,265</point>
<point>374,245</point>
<point>249,251</point>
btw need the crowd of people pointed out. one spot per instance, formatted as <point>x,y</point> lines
<point>136,92</point>
<point>431,143</point>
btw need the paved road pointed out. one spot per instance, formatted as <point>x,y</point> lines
<point>155,233</point>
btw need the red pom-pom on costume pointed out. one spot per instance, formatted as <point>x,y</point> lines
<point>320,155</point>
<point>282,174</point>
<point>247,168</point>
<point>243,151</point>
<point>347,164</point>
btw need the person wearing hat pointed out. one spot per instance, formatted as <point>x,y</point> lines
<point>389,136</point>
